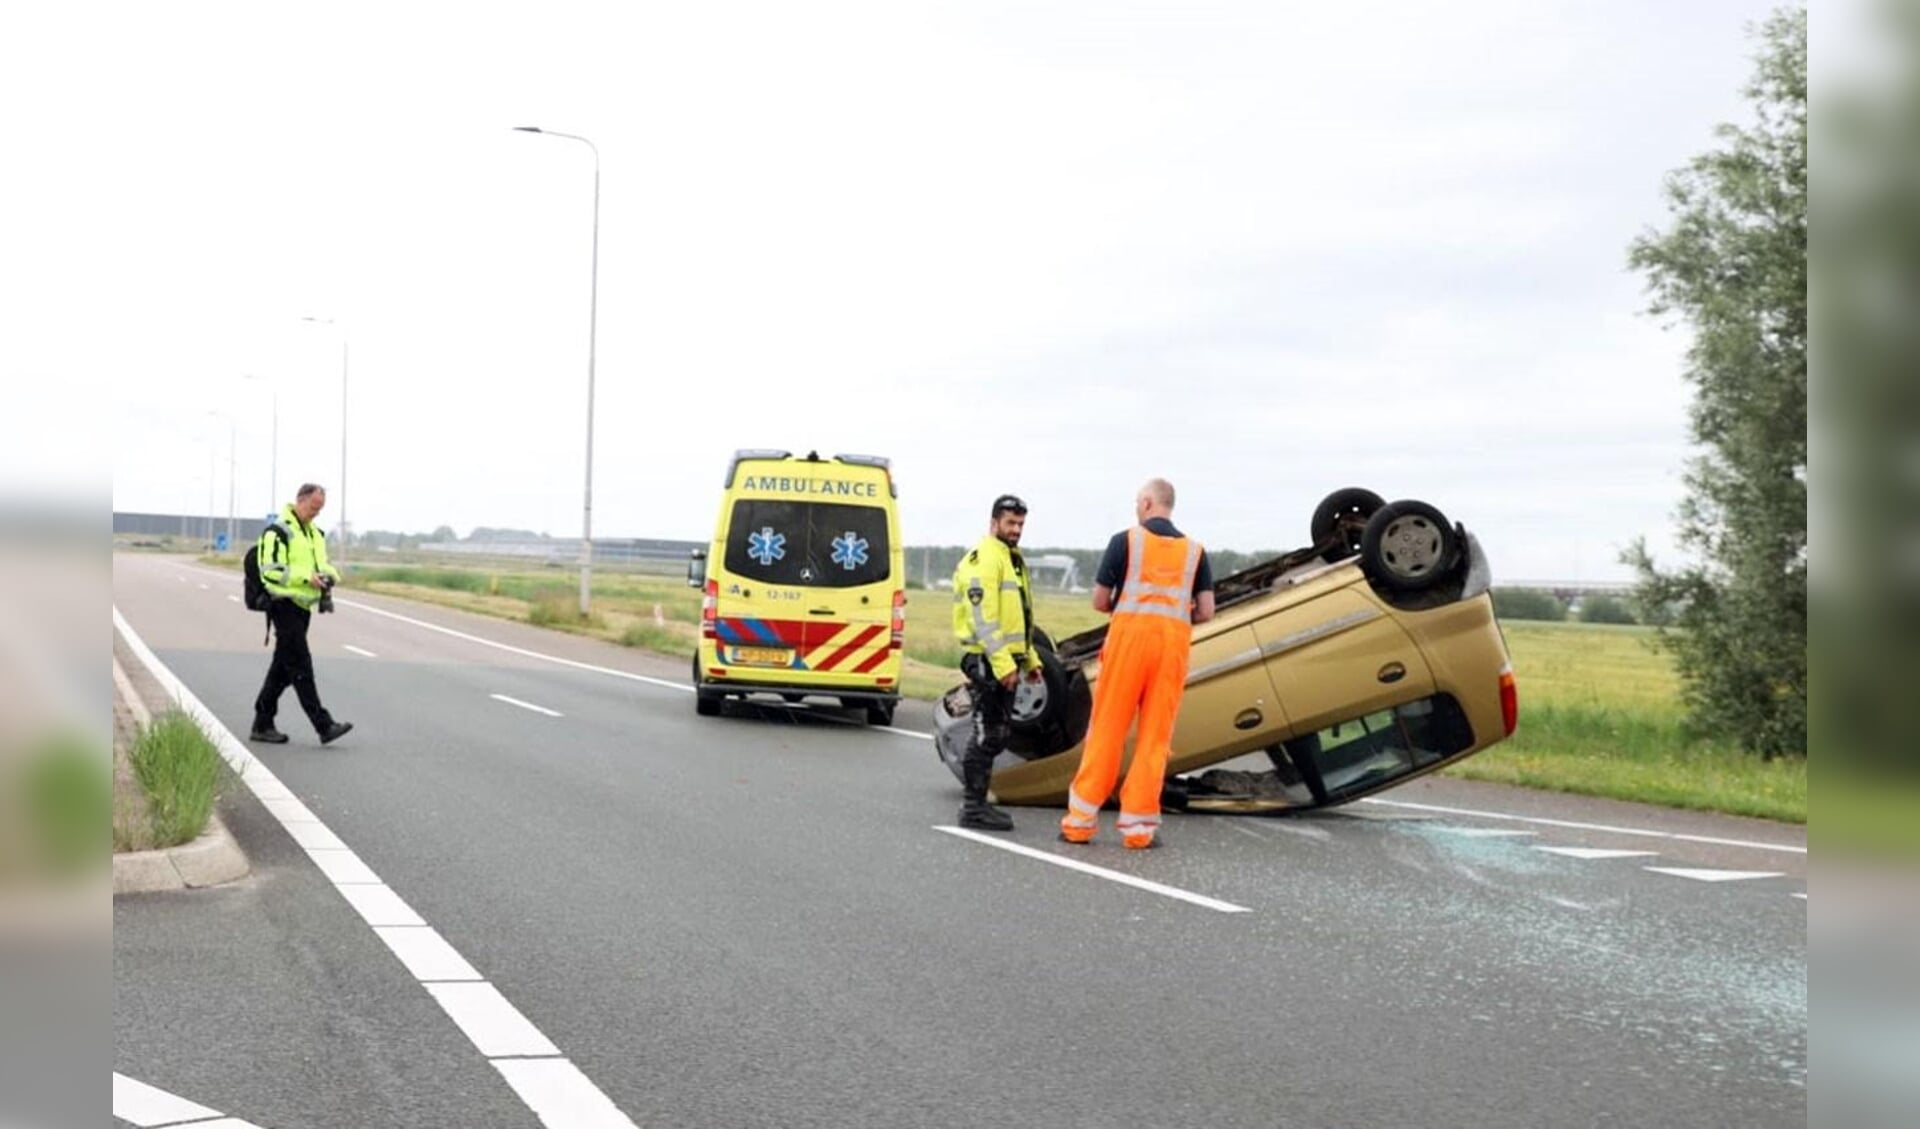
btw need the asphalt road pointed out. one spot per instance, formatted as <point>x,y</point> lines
<point>756,921</point>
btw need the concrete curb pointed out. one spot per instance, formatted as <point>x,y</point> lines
<point>209,860</point>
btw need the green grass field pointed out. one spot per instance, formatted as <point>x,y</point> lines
<point>1599,706</point>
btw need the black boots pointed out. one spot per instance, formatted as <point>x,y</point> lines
<point>267,734</point>
<point>976,813</point>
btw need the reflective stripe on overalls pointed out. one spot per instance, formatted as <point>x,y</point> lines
<point>1143,671</point>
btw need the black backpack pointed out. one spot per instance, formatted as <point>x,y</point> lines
<point>257,597</point>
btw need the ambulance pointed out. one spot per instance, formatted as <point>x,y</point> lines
<point>805,585</point>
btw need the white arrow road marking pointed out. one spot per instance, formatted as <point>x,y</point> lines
<point>1714,875</point>
<point>525,705</point>
<point>539,1075</point>
<point>360,651</point>
<point>1597,853</point>
<point>1099,872</point>
<point>150,1107</point>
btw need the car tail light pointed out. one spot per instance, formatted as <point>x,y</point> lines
<point>899,620</point>
<point>1509,699</point>
<point>709,608</point>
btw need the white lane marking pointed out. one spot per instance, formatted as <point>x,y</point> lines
<point>426,953</point>
<point>1592,853</point>
<point>1098,872</point>
<point>1486,832</point>
<point>379,905</point>
<point>181,579</point>
<point>316,835</point>
<point>515,650</point>
<point>525,705</point>
<point>360,651</point>
<point>233,597</point>
<point>556,1090</point>
<point>903,732</point>
<point>203,587</point>
<point>342,867</point>
<point>494,1026</point>
<point>1592,826</point>
<point>1802,897</point>
<point>145,1105</point>
<point>1714,875</point>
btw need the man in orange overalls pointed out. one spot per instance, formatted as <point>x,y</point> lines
<point>1157,583</point>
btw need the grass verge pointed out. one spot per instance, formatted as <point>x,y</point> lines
<point>182,775</point>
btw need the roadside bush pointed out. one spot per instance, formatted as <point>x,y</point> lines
<point>1528,603</point>
<point>1605,609</point>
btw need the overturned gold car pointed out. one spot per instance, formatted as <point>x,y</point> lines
<point>1359,662</point>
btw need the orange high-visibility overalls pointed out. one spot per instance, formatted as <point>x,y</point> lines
<point>1143,669</point>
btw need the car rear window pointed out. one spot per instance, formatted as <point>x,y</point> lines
<point>819,544</point>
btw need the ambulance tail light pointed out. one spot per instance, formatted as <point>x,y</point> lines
<point>709,608</point>
<point>899,620</point>
<point>1509,699</point>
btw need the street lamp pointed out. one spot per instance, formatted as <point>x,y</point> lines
<point>341,492</point>
<point>273,474</point>
<point>593,325</point>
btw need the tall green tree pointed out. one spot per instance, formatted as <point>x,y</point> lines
<point>1732,265</point>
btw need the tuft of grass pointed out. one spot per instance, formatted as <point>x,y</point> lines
<point>452,579</point>
<point>560,607</point>
<point>182,774</point>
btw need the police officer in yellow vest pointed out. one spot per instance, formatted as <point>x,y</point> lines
<point>295,572</point>
<point>992,618</point>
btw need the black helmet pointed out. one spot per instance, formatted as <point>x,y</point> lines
<point>1009,504</point>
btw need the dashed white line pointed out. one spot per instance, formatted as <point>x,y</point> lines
<point>1099,872</point>
<point>1592,853</point>
<point>363,652</point>
<point>496,1028</point>
<point>233,597</point>
<point>1782,847</point>
<point>525,705</point>
<point>1486,832</point>
<point>203,587</point>
<point>1700,875</point>
<point>517,650</point>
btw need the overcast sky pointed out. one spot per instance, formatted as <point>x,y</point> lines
<point>1264,249</point>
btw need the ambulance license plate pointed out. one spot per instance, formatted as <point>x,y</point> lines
<point>762,656</point>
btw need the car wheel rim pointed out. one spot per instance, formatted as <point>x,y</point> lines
<point>1411,546</point>
<point>1029,700</point>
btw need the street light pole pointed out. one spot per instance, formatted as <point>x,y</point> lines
<point>593,332</point>
<point>341,491</point>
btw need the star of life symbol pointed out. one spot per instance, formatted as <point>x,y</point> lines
<point>849,551</point>
<point>766,546</point>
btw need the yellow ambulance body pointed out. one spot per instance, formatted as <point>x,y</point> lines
<point>805,584</point>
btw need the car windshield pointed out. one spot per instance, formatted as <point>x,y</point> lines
<point>817,544</point>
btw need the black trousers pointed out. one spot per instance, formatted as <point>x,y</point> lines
<point>292,666</point>
<point>992,715</point>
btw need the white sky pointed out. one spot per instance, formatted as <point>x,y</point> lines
<point>1264,249</point>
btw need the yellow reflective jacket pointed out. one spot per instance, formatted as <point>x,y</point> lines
<point>993,607</point>
<point>286,564</point>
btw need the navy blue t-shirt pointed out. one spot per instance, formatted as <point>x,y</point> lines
<point>1113,564</point>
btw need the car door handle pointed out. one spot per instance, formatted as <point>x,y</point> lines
<point>819,611</point>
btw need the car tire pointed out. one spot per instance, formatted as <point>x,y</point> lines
<point>1408,546</point>
<point>1061,720</point>
<point>1343,512</point>
<point>706,703</point>
<point>880,713</point>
